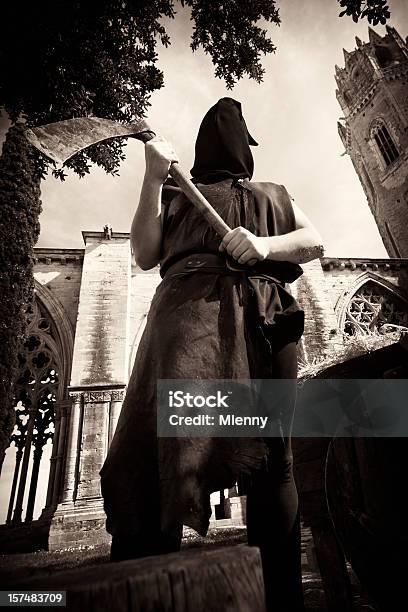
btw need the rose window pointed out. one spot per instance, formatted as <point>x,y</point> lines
<point>375,308</point>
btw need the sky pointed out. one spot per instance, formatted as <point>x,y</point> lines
<point>293,115</point>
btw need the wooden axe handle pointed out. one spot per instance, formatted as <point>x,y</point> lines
<point>199,201</point>
<point>194,195</point>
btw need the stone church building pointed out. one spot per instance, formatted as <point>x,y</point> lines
<point>91,307</point>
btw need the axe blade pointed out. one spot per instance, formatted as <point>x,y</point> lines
<point>61,140</point>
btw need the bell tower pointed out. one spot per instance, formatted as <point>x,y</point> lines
<point>373,94</point>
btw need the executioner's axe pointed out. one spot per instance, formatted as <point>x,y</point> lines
<point>61,140</point>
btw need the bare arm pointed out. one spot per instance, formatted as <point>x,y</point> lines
<point>300,246</point>
<point>146,230</point>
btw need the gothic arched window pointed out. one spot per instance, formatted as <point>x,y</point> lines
<point>384,142</point>
<point>375,308</point>
<point>36,391</point>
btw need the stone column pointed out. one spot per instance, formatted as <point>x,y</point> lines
<point>54,482</point>
<point>37,454</point>
<point>98,380</point>
<point>238,510</point>
<point>115,408</point>
<point>53,459</point>
<point>72,448</point>
<point>93,443</point>
<point>19,455</point>
<point>65,410</point>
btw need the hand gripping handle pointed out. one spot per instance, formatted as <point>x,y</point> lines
<point>193,194</point>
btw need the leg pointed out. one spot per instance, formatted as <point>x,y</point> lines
<point>273,524</point>
<point>273,520</point>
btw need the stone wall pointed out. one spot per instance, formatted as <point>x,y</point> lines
<point>102,327</point>
<point>321,338</point>
<point>143,286</point>
<point>60,271</point>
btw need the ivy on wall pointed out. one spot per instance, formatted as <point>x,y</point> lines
<point>20,207</point>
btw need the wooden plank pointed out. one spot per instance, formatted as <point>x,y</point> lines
<point>228,579</point>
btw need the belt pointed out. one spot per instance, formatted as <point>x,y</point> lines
<point>278,271</point>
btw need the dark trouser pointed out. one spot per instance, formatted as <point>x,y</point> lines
<point>273,521</point>
<point>273,524</point>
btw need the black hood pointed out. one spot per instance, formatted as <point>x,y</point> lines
<point>222,146</point>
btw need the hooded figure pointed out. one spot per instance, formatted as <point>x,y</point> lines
<point>222,146</point>
<point>211,321</point>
